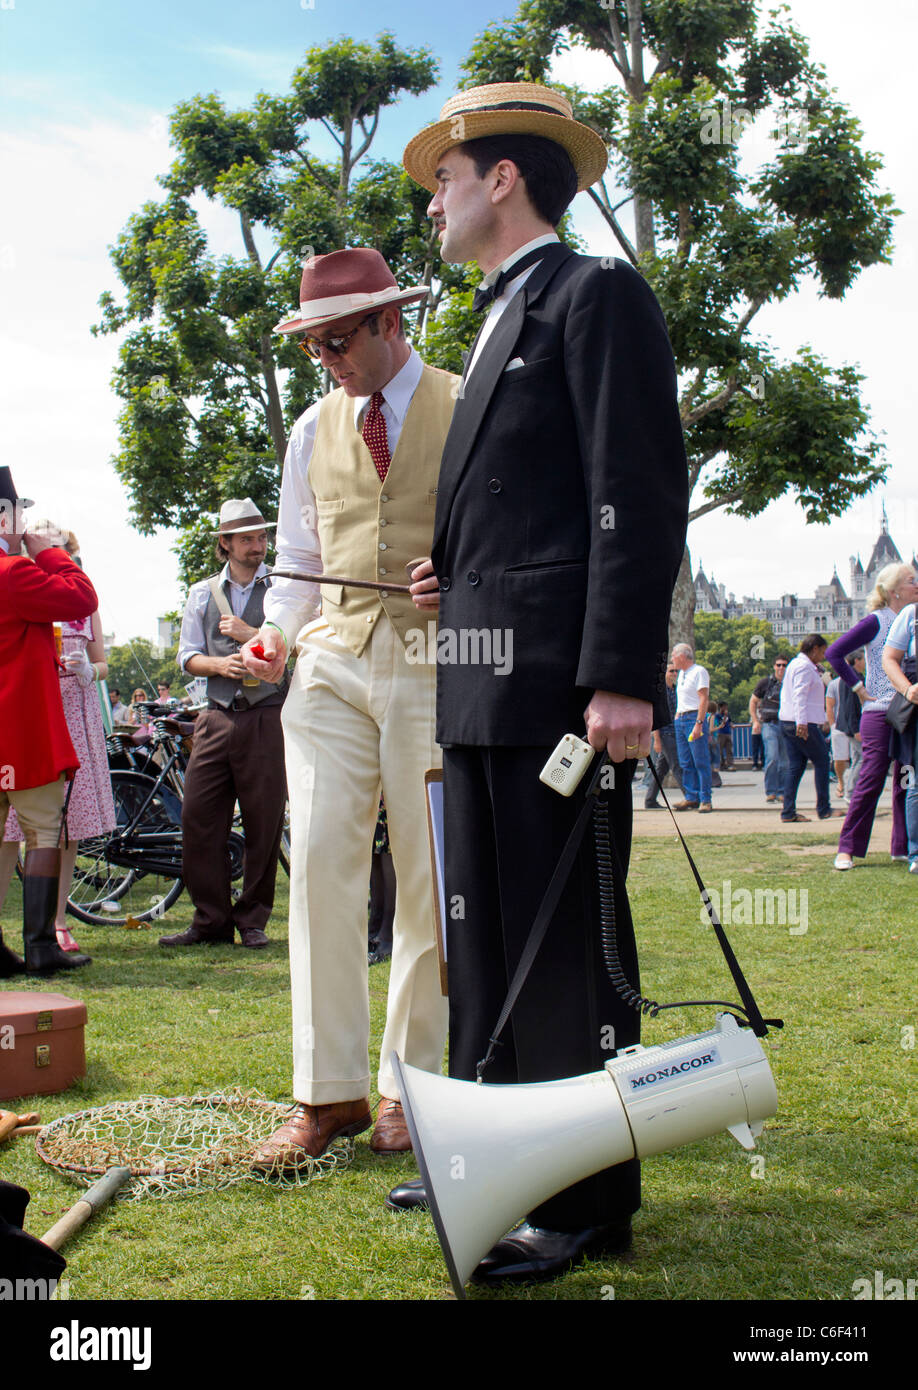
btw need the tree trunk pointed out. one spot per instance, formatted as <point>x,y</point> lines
<point>644,239</point>
<point>275,411</point>
<point>682,615</point>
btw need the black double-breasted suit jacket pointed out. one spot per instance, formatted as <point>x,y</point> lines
<point>561,506</point>
<point>560,523</point>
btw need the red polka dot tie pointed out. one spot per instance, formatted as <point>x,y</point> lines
<point>375,437</point>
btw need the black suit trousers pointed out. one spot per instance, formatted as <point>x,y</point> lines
<point>504,833</point>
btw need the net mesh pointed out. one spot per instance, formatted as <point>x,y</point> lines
<point>180,1143</point>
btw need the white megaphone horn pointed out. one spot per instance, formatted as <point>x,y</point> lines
<point>489,1154</point>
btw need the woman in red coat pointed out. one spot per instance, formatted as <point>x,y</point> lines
<point>36,752</point>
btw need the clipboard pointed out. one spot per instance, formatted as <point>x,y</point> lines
<point>433,789</point>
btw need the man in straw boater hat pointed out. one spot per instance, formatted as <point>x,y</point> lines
<point>357,500</point>
<point>561,516</point>
<point>238,752</point>
<point>37,757</point>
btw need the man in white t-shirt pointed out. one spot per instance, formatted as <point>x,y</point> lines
<point>693,687</point>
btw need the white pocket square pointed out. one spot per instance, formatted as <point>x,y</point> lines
<point>514,363</point>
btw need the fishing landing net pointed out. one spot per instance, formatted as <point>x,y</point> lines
<point>179,1144</point>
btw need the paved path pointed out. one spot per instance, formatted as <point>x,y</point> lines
<point>740,808</point>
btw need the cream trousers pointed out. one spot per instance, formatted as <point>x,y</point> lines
<point>352,725</point>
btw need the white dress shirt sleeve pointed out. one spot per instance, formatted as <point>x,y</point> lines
<point>192,641</point>
<point>289,603</point>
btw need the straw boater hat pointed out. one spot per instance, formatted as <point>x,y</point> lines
<point>239,515</point>
<point>344,283</point>
<point>507,108</point>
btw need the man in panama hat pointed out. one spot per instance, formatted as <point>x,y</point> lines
<point>238,752</point>
<point>357,500</point>
<point>561,516</point>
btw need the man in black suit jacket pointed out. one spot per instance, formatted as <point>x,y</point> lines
<point>560,526</point>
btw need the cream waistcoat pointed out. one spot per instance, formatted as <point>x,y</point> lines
<point>369,529</point>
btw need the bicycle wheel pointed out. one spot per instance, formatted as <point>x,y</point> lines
<point>132,877</point>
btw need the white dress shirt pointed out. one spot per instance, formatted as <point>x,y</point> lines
<point>512,286</point>
<point>803,695</point>
<point>192,640</point>
<point>289,603</point>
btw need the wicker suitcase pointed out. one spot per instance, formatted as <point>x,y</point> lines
<point>42,1050</point>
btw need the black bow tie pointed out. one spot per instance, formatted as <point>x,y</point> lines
<point>486,294</point>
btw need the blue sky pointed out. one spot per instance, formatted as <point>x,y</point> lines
<point>85,92</point>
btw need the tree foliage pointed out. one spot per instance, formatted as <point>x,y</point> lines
<point>737,653</point>
<point>208,391</point>
<point>137,663</point>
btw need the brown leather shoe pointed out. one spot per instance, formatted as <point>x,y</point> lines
<point>308,1133</point>
<point>390,1133</point>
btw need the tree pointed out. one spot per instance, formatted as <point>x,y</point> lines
<point>691,78</point>
<point>137,663</point>
<point>208,391</point>
<point>737,653</point>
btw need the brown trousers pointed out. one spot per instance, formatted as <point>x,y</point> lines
<point>237,755</point>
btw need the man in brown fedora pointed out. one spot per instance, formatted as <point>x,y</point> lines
<point>357,500</point>
<point>561,516</point>
<point>238,752</point>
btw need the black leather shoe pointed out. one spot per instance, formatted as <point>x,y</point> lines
<point>253,937</point>
<point>194,937</point>
<point>529,1254</point>
<point>408,1196</point>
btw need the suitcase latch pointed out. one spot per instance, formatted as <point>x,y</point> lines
<point>44,1021</point>
<point>43,1055</point>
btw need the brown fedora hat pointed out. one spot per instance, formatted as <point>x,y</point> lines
<point>507,108</point>
<point>344,283</point>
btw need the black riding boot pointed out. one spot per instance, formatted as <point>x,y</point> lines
<point>10,964</point>
<point>43,956</point>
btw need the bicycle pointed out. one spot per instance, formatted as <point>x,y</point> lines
<point>133,874</point>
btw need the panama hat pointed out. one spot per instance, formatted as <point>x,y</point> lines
<point>507,108</point>
<point>344,283</point>
<point>239,515</point>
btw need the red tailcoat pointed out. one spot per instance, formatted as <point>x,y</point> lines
<point>35,747</point>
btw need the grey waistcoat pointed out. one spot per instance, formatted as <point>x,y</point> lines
<point>220,688</point>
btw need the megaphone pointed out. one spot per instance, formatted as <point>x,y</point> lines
<point>489,1154</point>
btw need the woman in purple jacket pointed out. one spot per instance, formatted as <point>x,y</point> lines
<point>896,586</point>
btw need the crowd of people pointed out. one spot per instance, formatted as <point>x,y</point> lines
<point>826,707</point>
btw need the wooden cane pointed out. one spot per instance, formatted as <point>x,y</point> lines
<point>96,1198</point>
<point>336,579</point>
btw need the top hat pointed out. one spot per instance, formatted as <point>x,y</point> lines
<point>239,516</point>
<point>507,108</point>
<point>8,493</point>
<point>344,283</point>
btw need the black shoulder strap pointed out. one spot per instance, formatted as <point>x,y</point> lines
<point>552,897</point>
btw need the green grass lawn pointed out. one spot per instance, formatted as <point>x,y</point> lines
<point>830,1199</point>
